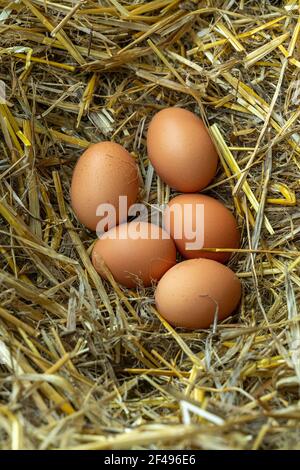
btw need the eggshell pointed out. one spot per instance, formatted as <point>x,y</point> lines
<point>135,253</point>
<point>191,293</point>
<point>220,228</point>
<point>104,172</point>
<point>181,150</point>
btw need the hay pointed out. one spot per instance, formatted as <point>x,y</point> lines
<point>90,365</point>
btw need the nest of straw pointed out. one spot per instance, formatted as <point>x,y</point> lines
<point>87,364</point>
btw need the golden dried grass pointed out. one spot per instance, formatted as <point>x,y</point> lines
<point>86,364</point>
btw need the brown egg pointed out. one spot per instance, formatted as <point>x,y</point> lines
<point>135,253</point>
<point>104,172</point>
<point>181,150</point>
<point>186,225</point>
<point>193,292</point>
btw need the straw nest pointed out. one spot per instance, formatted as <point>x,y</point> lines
<point>86,364</point>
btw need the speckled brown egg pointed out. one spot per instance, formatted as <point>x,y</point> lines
<point>181,150</point>
<point>218,225</point>
<point>136,253</point>
<point>103,173</point>
<point>195,292</point>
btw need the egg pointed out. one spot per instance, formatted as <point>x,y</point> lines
<point>192,228</point>
<point>103,173</point>
<point>136,253</point>
<point>181,150</point>
<point>192,293</point>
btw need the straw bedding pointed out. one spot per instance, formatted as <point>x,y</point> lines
<point>86,364</point>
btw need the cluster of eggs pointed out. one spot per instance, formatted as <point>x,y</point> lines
<point>192,293</point>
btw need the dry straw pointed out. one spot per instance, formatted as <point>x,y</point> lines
<point>86,364</point>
